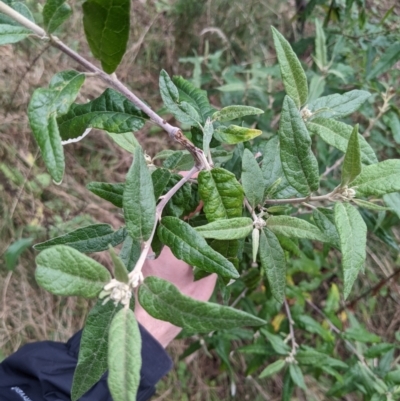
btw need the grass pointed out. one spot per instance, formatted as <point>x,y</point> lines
<point>32,206</point>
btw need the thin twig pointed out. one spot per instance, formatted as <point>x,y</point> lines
<point>320,198</point>
<point>291,331</point>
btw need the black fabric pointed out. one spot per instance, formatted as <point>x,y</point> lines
<point>43,371</point>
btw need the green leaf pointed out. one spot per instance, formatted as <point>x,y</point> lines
<point>106,25</point>
<point>194,96</point>
<point>369,205</point>
<point>55,13</point>
<point>252,179</point>
<point>183,111</point>
<point>275,181</point>
<point>273,263</point>
<point>337,134</point>
<point>162,300</point>
<point>44,106</point>
<point>181,202</point>
<point>93,238</point>
<point>293,227</point>
<point>352,159</point>
<point>62,270</point>
<point>325,220</point>
<point>111,112</point>
<point>12,34</point>
<point>293,75</point>
<point>14,251</point>
<point>277,343</point>
<point>298,162</point>
<point>338,106</point>
<point>320,46</point>
<point>297,376</point>
<point>188,245</point>
<point>272,368</point>
<point>236,228</point>
<point>235,134</point>
<point>179,160</point>
<point>130,252</point>
<point>389,57</point>
<point>310,356</point>
<point>160,178</point>
<point>208,132</point>
<point>377,350</point>
<point>221,193</point>
<point>393,202</point>
<point>92,359</point>
<point>138,199</point>
<point>353,237</point>
<point>233,112</point>
<point>126,141</point>
<point>124,356</point>
<point>110,192</point>
<point>378,179</point>
<point>120,271</point>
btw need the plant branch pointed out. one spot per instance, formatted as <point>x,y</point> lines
<point>159,209</point>
<point>320,198</point>
<point>111,80</point>
<point>291,357</point>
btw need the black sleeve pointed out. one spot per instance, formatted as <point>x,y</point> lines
<point>43,371</point>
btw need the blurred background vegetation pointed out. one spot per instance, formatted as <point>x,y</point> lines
<point>225,47</point>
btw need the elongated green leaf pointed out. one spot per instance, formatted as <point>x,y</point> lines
<point>235,134</point>
<point>389,57</point>
<point>182,110</point>
<point>188,245</point>
<point>338,106</point>
<point>325,221</point>
<point>120,270</point>
<point>106,25</point>
<point>294,228</point>
<point>273,368</point>
<point>93,238</point>
<point>194,96</point>
<point>208,132</point>
<point>62,270</point>
<point>310,356</point>
<point>163,301</point>
<point>21,8</point>
<point>393,202</point>
<point>44,106</point>
<point>353,237</point>
<point>297,376</point>
<point>236,228</point>
<point>293,75</point>
<point>179,161</point>
<point>275,181</point>
<point>138,199</point>
<point>92,359</point>
<point>124,356</point>
<point>55,12</point>
<point>273,263</point>
<point>12,34</point>
<point>14,251</point>
<point>160,178</point>
<point>320,45</point>
<point>252,179</point>
<point>298,162</point>
<point>378,179</point>
<point>181,203</point>
<point>126,141</point>
<point>111,112</point>
<point>233,112</point>
<point>221,193</point>
<point>110,192</point>
<point>352,159</point>
<point>369,205</point>
<point>130,252</point>
<point>277,343</point>
<point>337,134</point>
